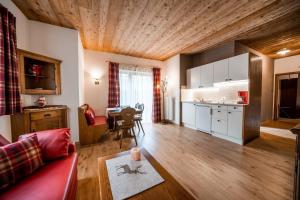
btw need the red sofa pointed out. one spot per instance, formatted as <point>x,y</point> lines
<point>56,180</point>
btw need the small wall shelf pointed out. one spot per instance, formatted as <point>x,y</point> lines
<point>39,74</point>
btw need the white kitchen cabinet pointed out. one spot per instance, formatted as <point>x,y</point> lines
<point>238,67</point>
<point>220,69</point>
<point>195,77</point>
<point>188,79</point>
<point>188,114</point>
<point>235,124</point>
<point>206,75</point>
<point>203,118</point>
<point>219,126</point>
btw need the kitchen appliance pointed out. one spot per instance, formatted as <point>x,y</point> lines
<point>203,118</point>
<point>242,97</point>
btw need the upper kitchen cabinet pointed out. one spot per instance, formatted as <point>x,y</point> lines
<point>207,75</point>
<point>220,69</point>
<point>195,80</point>
<point>238,67</point>
<point>39,74</point>
<point>199,77</point>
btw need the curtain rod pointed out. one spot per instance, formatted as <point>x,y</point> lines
<point>136,65</point>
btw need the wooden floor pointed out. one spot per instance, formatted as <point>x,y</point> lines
<point>208,167</point>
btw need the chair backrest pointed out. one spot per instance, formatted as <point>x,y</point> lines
<point>127,115</point>
<point>137,105</point>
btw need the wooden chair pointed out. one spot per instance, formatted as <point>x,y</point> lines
<point>126,124</point>
<point>138,118</point>
<point>90,134</point>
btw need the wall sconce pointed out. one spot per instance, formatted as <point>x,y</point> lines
<point>96,77</point>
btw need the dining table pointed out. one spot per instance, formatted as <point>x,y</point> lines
<point>114,114</point>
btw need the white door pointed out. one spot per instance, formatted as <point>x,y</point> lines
<point>238,67</point>
<point>220,71</point>
<point>188,79</point>
<point>203,118</point>
<point>188,114</point>
<point>235,124</point>
<point>207,75</point>
<point>195,77</point>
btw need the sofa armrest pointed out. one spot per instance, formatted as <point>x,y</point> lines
<point>71,148</point>
<point>3,141</point>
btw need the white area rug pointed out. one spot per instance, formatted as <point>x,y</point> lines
<point>128,177</point>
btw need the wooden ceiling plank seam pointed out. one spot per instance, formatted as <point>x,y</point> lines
<point>172,18</point>
<point>103,10</point>
<point>131,13</point>
<point>182,24</point>
<point>160,29</point>
<point>149,13</point>
<point>218,25</point>
<point>113,19</point>
<point>157,23</point>
<point>257,19</point>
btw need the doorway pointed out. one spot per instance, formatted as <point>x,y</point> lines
<point>287,96</point>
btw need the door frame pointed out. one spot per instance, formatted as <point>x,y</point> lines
<point>275,106</point>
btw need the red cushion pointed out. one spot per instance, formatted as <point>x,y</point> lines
<point>92,110</point>
<point>55,180</point>
<point>54,143</point>
<point>90,117</point>
<point>100,120</point>
<point>18,160</point>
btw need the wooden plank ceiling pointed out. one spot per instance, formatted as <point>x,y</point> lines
<point>159,29</point>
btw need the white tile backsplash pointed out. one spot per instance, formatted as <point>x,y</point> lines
<point>216,93</point>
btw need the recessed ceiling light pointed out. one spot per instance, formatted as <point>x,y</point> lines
<point>283,51</point>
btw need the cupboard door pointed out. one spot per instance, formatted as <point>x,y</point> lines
<point>220,71</point>
<point>219,126</point>
<point>203,118</point>
<point>207,75</point>
<point>189,114</point>
<point>235,124</point>
<point>238,67</point>
<point>188,79</point>
<point>195,77</point>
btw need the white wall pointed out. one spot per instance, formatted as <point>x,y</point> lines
<point>22,26</point>
<point>172,71</point>
<point>95,62</point>
<point>81,71</point>
<point>287,64</point>
<point>63,44</point>
<point>57,42</point>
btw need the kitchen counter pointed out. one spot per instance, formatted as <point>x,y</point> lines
<point>214,103</point>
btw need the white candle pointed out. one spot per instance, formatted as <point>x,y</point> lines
<point>135,154</point>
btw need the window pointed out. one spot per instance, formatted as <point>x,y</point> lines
<point>136,86</point>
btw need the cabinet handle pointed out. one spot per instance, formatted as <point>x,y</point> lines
<point>229,112</point>
<point>47,115</point>
<point>219,111</point>
<point>234,107</point>
<point>218,120</point>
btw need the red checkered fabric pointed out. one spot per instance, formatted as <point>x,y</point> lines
<point>114,85</point>
<point>10,101</point>
<point>18,160</point>
<point>156,110</point>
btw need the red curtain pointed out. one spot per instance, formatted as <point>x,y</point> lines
<point>10,101</point>
<point>156,111</point>
<point>114,85</point>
